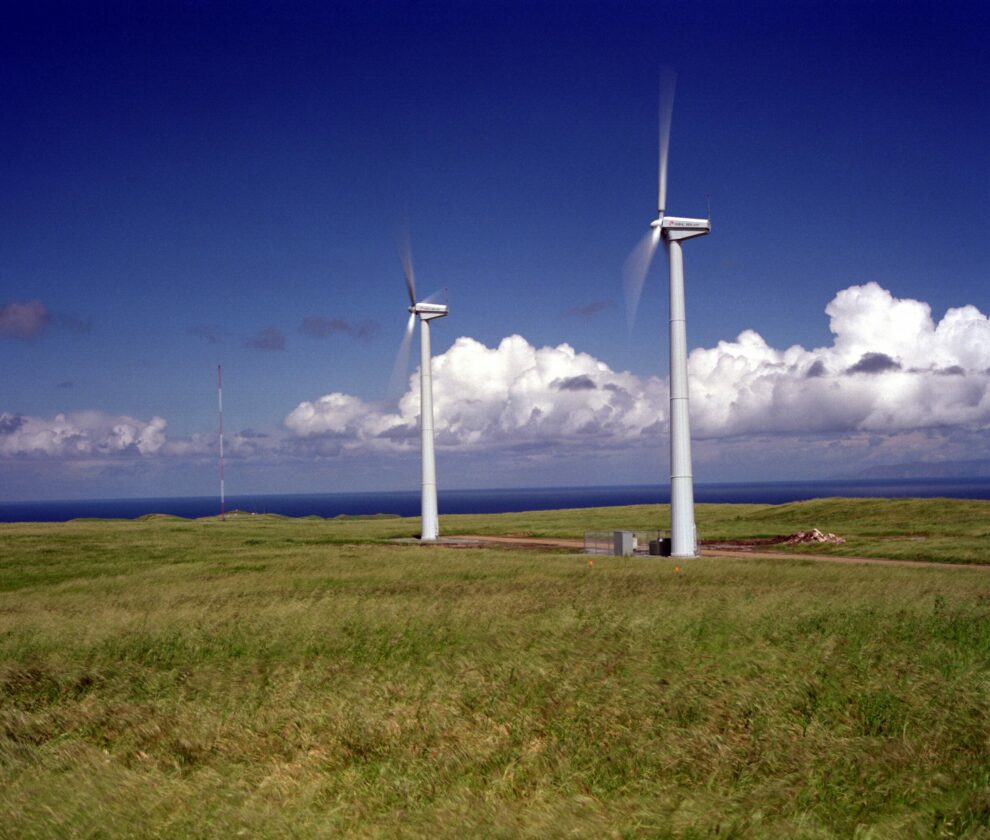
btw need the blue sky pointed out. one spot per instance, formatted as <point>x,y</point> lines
<point>188,184</point>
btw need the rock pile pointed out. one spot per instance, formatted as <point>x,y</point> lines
<point>813,536</point>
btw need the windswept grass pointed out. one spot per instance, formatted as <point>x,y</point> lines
<point>940,530</point>
<point>267,678</point>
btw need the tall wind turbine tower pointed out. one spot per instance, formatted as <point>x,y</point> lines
<point>672,230</point>
<point>425,312</point>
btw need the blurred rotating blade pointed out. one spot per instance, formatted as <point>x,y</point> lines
<point>668,82</point>
<point>439,296</point>
<point>400,373</point>
<point>405,254</point>
<point>634,272</point>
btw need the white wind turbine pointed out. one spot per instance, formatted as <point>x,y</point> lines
<point>426,312</point>
<point>673,230</point>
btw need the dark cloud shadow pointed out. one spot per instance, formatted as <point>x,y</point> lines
<point>271,339</point>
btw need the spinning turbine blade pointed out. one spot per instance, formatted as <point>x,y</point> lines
<point>634,271</point>
<point>405,254</point>
<point>400,373</point>
<point>668,81</point>
<point>439,296</point>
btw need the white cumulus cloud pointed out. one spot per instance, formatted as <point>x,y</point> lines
<point>511,395</point>
<point>890,368</point>
<point>80,434</point>
<point>894,383</point>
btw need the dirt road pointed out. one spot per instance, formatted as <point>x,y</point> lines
<point>723,550</point>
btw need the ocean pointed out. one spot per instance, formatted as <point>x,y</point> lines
<point>406,503</point>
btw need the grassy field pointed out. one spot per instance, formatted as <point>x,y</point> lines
<point>939,530</point>
<point>269,677</point>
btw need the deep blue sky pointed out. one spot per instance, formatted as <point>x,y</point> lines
<point>182,184</point>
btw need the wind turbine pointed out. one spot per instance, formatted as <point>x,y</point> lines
<point>426,312</point>
<point>672,230</point>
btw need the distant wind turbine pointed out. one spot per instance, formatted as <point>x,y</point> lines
<point>673,230</point>
<point>426,312</point>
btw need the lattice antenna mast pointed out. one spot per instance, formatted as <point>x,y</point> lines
<point>223,514</point>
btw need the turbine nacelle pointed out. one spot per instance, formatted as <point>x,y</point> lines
<point>428,311</point>
<point>679,227</point>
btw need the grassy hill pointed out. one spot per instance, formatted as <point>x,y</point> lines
<point>270,677</point>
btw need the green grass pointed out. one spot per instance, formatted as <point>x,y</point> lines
<point>940,530</point>
<point>269,677</point>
